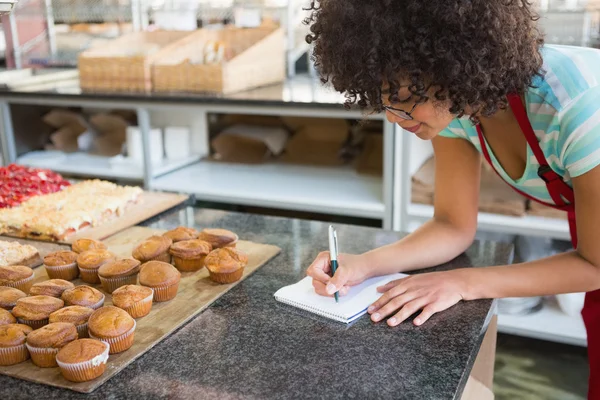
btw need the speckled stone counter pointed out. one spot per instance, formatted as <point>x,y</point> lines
<point>248,346</point>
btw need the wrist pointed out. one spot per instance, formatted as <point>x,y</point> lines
<point>471,283</point>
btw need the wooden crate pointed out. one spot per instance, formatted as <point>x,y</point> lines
<point>124,63</point>
<point>253,57</point>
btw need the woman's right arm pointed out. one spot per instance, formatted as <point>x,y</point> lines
<point>449,233</point>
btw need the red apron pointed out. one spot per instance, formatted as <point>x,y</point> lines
<point>562,195</point>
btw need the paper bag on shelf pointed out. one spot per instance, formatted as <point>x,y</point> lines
<point>249,144</point>
<point>65,138</point>
<point>316,145</point>
<point>370,160</point>
<point>496,197</point>
<point>59,118</point>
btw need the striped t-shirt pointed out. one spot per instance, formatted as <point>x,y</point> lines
<point>564,111</point>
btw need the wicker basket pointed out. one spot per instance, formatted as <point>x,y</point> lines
<point>124,63</point>
<point>253,57</point>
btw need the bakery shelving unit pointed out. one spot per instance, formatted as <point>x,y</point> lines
<point>334,190</point>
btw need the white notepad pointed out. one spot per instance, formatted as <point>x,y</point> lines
<point>350,307</point>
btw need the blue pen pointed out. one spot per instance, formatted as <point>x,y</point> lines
<point>333,254</point>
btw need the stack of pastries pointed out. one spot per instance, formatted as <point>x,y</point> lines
<point>58,324</point>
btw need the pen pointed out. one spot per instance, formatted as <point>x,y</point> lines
<point>333,253</point>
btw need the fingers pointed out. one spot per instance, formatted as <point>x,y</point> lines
<point>427,313</point>
<point>338,281</point>
<point>320,289</point>
<point>389,285</point>
<point>409,309</point>
<point>391,305</point>
<point>319,270</point>
<point>387,297</point>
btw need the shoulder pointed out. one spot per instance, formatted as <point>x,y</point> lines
<point>461,128</point>
<point>567,73</point>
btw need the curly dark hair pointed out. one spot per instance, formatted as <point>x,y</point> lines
<point>472,53</point>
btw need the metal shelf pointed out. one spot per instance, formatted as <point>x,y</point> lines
<point>328,190</point>
<point>83,164</point>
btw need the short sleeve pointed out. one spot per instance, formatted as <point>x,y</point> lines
<point>455,130</point>
<point>580,133</point>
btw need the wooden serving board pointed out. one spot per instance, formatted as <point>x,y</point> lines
<point>149,205</point>
<point>196,292</point>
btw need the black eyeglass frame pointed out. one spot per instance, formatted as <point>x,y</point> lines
<point>406,115</point>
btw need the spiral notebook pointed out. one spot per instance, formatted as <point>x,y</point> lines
<point>350,307</point>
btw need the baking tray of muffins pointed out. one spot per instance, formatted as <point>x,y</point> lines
<point>96,307</point>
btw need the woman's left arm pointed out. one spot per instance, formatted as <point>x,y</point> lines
<point>574,271</point>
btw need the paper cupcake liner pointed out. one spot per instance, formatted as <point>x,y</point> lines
<point>165,293</point>
<point>99,304</point>
<point>120,343</point>
<point>13,355</point>
<point>43,357</point>
<point>141,308</point>
<point>84,371</point>
<point>34,324</point>
<point>112,284</point>
<point>89,275</point>
<point>23,285</point>
<point>67,272</point>
<point>189,265</point>
<point>8,307</point>
<point>82,331</point>
<point>227,277</point>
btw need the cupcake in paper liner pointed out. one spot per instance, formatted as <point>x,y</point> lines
<point>61,265</point>
<point>226,265</point>
<point>119,273</point>
<point>43,344</point>
<point>155,248</point>
<point>76,315</point>
<point>85,296</point>
<point>89,262</point>
<point>114,326</point>
<point>135,300</point>
<point>13,349</point>
<point>162,278</point>
<point>16,276</point>
<point>9,297</point>
<point>35,310</point>
<point>83,360</point>
<point>189,255</point>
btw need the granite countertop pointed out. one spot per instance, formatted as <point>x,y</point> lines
<point>299,91</point>
<point>248,346</point>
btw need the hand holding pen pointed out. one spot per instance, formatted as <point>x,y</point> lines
<point>333,255</point>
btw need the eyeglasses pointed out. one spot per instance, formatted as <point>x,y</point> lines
<point>401,113</point>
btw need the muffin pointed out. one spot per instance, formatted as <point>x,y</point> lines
<point>35,310</point>
<point>182,233</point>
<point>83,360</point>
<point>163,278</point>
<point>219,238</point>
<point>76,315</point>
<point>81,245</point>
<point>61,265</point>
<point>16,276</point>
<point>113,326</point>
<point>52,287</point>
<point>12,344</point>
<point>226,265</point>
<point>43,344</point>
<point>90,261</point>
<point>6,317</point>
<point>136,300</point>
<point>84,296</point>
<point>9,297</point>
<point>189,255</point>
<point>155,248</point>
<point>119,273</point>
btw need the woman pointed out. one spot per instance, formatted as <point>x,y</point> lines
<point>474,77</point>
